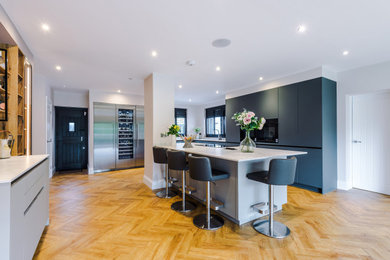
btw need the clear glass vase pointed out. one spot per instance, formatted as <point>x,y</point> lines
<point>247,145</point>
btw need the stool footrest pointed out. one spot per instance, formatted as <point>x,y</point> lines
<point>189,189</point>
<point>216,204</point>
<point>263,207</point>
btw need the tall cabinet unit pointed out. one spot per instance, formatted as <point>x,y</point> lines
<point>15,118</point>
<point>307,121</point>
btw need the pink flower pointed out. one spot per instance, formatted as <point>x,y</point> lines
<point>247,121</point>
<point>250,114</point>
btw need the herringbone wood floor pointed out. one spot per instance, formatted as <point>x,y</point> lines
<point>115,216</point>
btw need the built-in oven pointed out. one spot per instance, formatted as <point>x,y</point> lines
<point>269,133</point>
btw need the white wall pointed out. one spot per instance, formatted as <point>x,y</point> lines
<point>369,79</point>
<point>159,115</point>
<point>106,97</point>
<point>70,98</point>
<point>196,115</point>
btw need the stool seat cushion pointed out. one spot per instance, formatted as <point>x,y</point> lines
<point>219,175</point>
<point>261,176</point>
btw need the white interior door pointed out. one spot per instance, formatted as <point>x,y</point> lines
<point>371,142</point>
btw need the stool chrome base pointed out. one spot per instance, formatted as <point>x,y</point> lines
<point>215,222</point>
<point>279,231</point>
<point>178,206</point>
<point>165,194</point>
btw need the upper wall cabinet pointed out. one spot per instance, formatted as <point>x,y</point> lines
<point>263,104</point>
<point>267,103</point>
<point>300,114</point>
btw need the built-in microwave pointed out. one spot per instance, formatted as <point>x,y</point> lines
<point>269,133</point>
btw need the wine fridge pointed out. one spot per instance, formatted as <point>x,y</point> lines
<point>118,136</point>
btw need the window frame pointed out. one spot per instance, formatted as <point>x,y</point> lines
<point>215,111</point>
<point>179,112</point>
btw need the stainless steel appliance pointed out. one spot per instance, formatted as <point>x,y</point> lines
<point>118,136</point>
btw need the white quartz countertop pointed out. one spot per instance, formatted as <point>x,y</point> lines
<point>14,167</point>
<point>236,155</point>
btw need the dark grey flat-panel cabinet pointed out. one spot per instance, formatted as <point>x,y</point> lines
<point>300,114</point>
<point>310,113</point>
<point>307,121</point>
<point>267,103</point>
<point>263,104</point>
<point>288,115</point>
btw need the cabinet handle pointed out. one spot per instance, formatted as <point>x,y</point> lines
<point>32,202</point>
<point>356,142</point>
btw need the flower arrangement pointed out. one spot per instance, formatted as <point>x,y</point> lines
<point>173,130</point>
<point>248,121</point>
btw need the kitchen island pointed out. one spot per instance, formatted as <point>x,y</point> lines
<point>24,204</point>
<point>238,193</point>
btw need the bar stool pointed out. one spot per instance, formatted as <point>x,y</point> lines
<point>200,170</point>
<point>160,157</point>
<point>281,172</point>
<point>177,161</point>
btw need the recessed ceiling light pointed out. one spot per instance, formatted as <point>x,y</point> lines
<point>154,53</point>
<point>218,68</point>
<point>190,100</point>
<point>119,91</point>
<point>217,92</point>
<point>45,27</point>
<point>221,43</point>
<point>301,28</point>
<point>180,86</point>
<point>345,53</point>
<point>260,78</point>
<point>58,68</point>
<point>190,63</point>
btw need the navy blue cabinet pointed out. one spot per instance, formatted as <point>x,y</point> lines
<point>267,103</point>
<point>309,166</point>
<point>310,113</point>
<point>307,121</point>
<point>263,104</point>
<point>288,115</point>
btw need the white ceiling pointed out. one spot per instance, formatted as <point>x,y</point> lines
<point>101,43</point>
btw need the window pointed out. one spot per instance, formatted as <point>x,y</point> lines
<point>181,120</point>
<point>215,121</point>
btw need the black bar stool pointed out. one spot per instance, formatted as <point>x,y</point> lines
<point>281,172</point>
<point>200,170</point>
<point>177,161</point>
<point>160,156</point>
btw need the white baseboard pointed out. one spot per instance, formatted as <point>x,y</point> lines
<point>153,185</point>
<point>90,170</point>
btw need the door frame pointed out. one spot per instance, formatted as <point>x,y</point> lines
<point>86,135</point>
<point>349,135</point>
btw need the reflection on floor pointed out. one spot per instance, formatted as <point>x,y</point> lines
<point>114,215</point>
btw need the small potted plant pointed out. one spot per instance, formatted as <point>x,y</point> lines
<point>248,121</point>
<point>197,131</point>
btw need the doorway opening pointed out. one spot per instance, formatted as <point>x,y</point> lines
<point>71,139</point>
<point>371,142</point>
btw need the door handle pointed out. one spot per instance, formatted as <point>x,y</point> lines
<point>356,142</point>
<point>81,138</point>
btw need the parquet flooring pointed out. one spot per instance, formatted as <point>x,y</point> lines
<point>115,216</point>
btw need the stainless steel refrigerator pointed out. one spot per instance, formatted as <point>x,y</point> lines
<point>118,136</point>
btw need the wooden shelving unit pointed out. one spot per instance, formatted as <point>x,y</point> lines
<point>16,122</point>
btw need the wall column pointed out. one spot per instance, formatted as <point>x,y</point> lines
<point>159,95</point>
